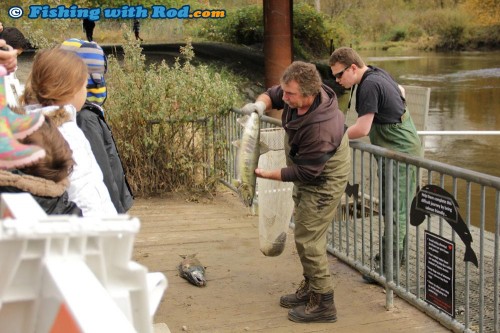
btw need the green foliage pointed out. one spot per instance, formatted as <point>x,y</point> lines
<point>163,120</point>
<point>484,13</point>
<point>397,34</point>
<point>452,36</point>
<point>40,33</point>
<point>446,24</point>
<point>241,26</point>
<point>484,37</point>
<point>450,27</point>
<point>453,25</point>
<point>311,32</point>
<point>38,38</point>
<point>340,33</point>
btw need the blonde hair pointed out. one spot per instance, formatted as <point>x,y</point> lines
<point>56,75</point>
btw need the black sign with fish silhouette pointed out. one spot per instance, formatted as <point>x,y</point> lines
<point>440,272</point>
<point>434,200</point>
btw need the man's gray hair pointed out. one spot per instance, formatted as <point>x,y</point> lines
<point>306,75</point>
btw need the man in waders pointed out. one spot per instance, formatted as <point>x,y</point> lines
<point>318,164</point>
<point>383,116</point>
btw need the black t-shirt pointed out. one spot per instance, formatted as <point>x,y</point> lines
<point>378,93</point>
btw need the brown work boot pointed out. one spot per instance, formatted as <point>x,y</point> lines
<point>319,309</point>
<point>300,297</point>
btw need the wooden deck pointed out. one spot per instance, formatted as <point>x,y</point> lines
<point>244,286</point>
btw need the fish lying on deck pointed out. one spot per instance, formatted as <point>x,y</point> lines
<point>192,270</point>
<point>249,150</point>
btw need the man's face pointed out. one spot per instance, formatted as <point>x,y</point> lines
<point>344,75</point>
<point>292,95</point>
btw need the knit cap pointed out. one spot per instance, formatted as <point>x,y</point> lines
<point>94,57</point>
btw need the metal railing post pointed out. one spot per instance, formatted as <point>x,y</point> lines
<point>389,197</point>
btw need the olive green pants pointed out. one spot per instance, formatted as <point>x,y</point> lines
<point>315,206</point>
<point>403,138</point>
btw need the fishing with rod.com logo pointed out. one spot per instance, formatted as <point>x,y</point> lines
<point>123,12</point>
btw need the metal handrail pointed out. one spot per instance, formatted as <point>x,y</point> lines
<point>439,133</point>
<point>476,285</point>
<point>350,243</point>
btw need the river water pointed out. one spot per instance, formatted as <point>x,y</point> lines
<point>465,95</point>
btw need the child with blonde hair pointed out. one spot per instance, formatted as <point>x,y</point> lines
<point>57,83</point>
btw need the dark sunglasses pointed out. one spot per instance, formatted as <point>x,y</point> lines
<point>338,76</point>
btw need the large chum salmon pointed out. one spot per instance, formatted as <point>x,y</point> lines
<point>192,270</point>
<point>249,150</point>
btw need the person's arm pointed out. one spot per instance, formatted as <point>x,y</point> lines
<point>268,174</point>
<point>264,98</point>
<point>8,56</point>
<point>362,126</point>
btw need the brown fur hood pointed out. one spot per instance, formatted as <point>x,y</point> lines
<point>58,114</point>
<point>34,185</point>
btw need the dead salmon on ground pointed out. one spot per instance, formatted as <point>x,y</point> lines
<point>192,270</point>
<point>249,150</point>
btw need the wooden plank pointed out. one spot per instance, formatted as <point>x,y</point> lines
<point>244,286</point>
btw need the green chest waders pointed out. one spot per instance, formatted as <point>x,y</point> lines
<point>315,206</point>
<point>403,138</point>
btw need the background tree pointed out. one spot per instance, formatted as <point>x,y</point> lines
<point>484,12</point>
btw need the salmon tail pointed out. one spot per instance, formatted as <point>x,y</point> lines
<point>236,143</point>
<point>470,255</point>
<point>264,148</point>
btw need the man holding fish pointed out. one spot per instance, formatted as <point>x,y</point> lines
<point>318,163</point>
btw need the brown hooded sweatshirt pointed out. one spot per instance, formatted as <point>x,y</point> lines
<point>313,137</point>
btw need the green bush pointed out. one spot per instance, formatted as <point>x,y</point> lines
<point>241,26</point>
<point>452,36</point>
<point>163,120</point>
<point>449,26</point>
<point>339,33</point>
<point>484,37</point>
<point>311,31</point>
<point>396,34</point>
